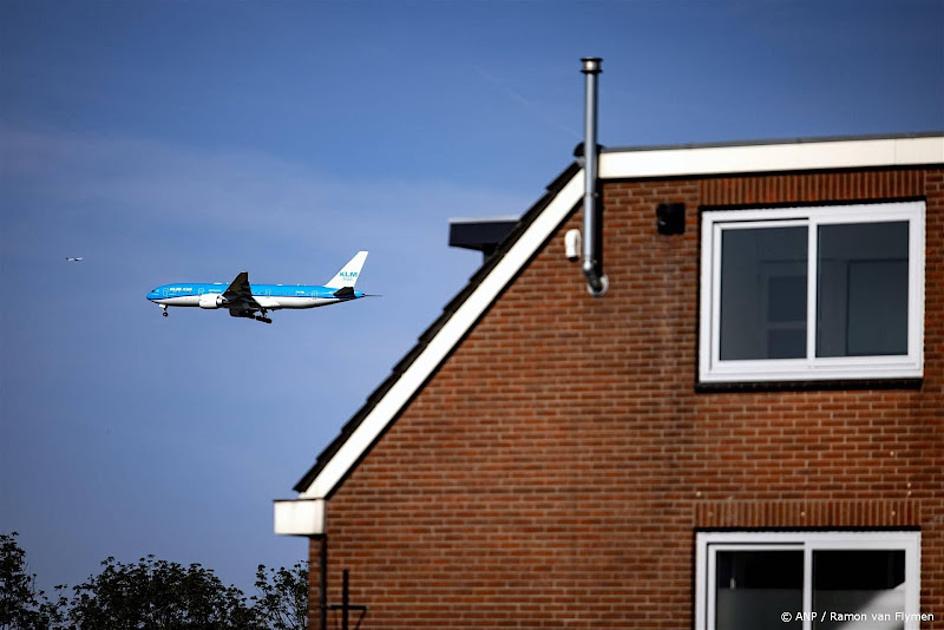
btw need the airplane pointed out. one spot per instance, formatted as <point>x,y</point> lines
<point>246,300</point>
<point>74,259</point>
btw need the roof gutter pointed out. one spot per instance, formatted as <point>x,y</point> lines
<point>597,282</point>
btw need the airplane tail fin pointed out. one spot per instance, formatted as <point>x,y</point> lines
<point>347,277</point>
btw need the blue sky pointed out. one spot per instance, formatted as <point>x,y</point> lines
<point>192,140</point>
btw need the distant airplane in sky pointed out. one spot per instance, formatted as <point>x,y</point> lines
<point>246,300</point>
<point>74,259</point>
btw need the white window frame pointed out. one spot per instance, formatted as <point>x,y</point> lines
<point>811,368</point>
<point>707,544</point>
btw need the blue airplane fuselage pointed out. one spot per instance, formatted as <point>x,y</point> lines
<point>270,296</point>
<point>254,301</point>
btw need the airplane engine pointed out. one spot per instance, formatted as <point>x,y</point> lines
<point>211,300</point>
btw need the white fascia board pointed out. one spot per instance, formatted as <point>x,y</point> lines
<point>446,339</point>
<point>613,165</point>
<point>794,156</point>
<point>299,517</point>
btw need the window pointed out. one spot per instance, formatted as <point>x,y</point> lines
<point>822,580</point>
<point>816,293</point>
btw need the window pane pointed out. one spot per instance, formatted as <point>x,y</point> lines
<point>866,586</point>
<point>862,306</point>
<point>763,293</point>
<point>754,588</point>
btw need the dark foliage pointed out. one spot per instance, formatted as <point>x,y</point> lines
<point>151,594</point>
<point>282,603</point>
<point>154,593</point>
<point>22,606</point>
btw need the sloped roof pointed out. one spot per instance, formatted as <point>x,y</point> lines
<point>567,176</point>
<point>541,221</point>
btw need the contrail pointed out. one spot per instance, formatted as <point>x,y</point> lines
<point>520,98</point>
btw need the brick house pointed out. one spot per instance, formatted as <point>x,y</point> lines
<point>748,424</point>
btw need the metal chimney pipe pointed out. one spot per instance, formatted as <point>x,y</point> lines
<point>597,282</point>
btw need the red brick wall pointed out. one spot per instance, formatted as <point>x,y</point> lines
<point>553,472</point>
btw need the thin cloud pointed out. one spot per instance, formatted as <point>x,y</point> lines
<point>165,185</point>
<point>524,101</point>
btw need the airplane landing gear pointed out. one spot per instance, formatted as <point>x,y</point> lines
<point>163,309</point>
<point>261,317</point>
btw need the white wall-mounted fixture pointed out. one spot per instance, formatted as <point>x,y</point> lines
<point>572,245</point>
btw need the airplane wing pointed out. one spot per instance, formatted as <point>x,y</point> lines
<point>239,295</point>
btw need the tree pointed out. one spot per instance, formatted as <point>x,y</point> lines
<point>22,606</point>
<point>152,594</point>
<point>282,603</point>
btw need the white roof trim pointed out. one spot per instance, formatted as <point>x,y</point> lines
<point>792,156</point>
<point>446,339</point>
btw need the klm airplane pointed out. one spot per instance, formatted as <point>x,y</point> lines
<point>256,300</point>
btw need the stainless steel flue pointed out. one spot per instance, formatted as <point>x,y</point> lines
<point>597,282</point>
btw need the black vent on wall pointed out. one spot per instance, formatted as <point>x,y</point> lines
<point>670,218</point>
